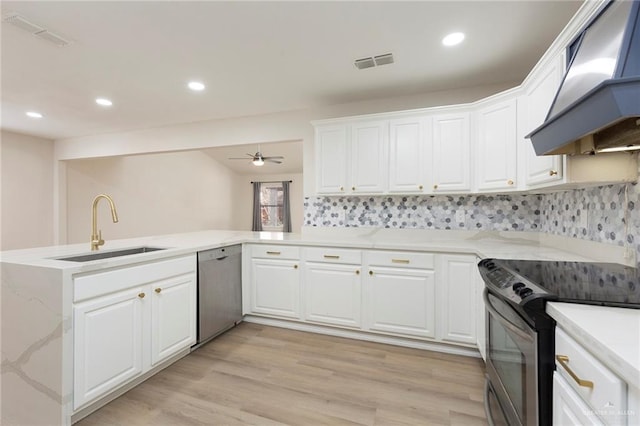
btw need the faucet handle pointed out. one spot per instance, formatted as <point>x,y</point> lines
<point>100,240</point>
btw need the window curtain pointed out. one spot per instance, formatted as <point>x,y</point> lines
<point>286,207</point>
<point>257,213</point>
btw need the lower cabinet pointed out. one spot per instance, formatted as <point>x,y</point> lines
<point>275,287</point>
<point>127,321</point>
<point>568,408</point>
<point>481,313</point>
<point>457,298</point>
<point>333,294</point>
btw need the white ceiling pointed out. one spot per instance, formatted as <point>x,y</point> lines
<point>291,151</point>
<point>255,57</point>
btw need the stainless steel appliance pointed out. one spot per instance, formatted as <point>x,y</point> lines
<point>520,335</point>
<point>219,291</point>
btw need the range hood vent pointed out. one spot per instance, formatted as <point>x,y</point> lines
<point>597,108</point>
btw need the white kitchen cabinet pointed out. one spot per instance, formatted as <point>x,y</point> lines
<point>275,287</point>
<point>107,343</point>
<point>409,150</point>
<point>122,327</point>
<point>173,316</point>
<point>451,153</point>
<point>568,408</point>
<point>534,104</point>
<point>457,299</point>
<point>333,294</point>
<point>495,156</point>
<point>481,313</point>
<point>332,162</point>
<point>369,156</point>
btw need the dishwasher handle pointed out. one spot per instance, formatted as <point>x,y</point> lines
<point>221,258</point>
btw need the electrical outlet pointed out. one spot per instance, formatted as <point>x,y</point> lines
<point>460,216</point>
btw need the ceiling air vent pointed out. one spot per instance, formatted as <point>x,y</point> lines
<point>371,62</point>
<point>35,30</point>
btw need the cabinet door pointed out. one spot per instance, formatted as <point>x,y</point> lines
<point>369,142</point>
<point>275,287</point>
<point>333,294</point>
<point>173,316</point>
<point>331,159</point>
<point>481,314</point>
<point>451,144</point>
<point>535,106</point>
<point>407,154</point>
<point>496,157</point>
<point>457,299</point>
<point>401,301</point>
<point>568,408</point>
<point>107,336</point>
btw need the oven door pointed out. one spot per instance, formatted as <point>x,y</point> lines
<point>511,363</point>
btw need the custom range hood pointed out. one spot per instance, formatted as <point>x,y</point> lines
<point>597,108</point>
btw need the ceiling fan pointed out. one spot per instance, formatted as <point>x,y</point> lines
<point>258,159</point>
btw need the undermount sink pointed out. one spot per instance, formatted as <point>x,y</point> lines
<point>108,254</point>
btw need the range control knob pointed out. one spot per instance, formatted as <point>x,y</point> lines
<point>517,286</point>
<point>525,292</point>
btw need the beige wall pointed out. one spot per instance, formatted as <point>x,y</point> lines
<point>26,194</point>
<point>244,195</point>
<point>154,194</point>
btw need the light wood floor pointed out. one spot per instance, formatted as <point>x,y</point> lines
<point>262,375</point>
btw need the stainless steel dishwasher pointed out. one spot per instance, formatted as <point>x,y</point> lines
<point>219,291</point>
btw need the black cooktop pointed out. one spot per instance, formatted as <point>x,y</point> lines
<point>605,284</point>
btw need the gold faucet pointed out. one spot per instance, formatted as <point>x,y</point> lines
<point>96,236</point>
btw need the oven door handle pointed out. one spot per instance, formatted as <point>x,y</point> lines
<point>504,321</point>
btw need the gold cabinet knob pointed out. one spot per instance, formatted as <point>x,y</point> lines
<point>158,290</point>
<point>357,272</point>
<point>420,187</point>
<point>370,272</point>
<point>342,188</point>
<point>295,266</point>
<point>509,182</point>
<point>435,186</point>
<point>553,172</point>
<point>141,295</point>
<point>353,188</point>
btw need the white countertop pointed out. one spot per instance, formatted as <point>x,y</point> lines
<point>611,335</point>
<point>511,245</point>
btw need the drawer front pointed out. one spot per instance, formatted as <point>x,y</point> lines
<point>101,283</point>
<point>332,255</point>
<point>402,259</point>
<point>275,252</point>
<point>603,391</point>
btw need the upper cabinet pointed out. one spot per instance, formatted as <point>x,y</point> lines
<point>409,151</point>
<point>451,157</point>
<point>496,144</point>
<point>352,157</point>
<point>533,105</point>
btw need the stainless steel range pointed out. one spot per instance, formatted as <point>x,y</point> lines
<point>520,335</point>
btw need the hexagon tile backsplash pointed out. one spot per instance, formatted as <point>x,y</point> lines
<point>604,214</point>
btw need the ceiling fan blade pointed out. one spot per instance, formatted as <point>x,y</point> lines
<point>238,158</point>
<point>276,157</point>
<point>272,161</point>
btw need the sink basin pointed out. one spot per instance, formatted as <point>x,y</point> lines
<point>108,254</point>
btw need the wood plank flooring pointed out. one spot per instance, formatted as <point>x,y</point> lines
<point>261,375</point>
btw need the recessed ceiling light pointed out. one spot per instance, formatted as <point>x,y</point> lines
<point>104,102</point>
<point>196,86</point>
<point>34,114</point>
<point>453,39</point>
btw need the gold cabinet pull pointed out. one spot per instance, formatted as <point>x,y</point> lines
<point>403,261</point>
<point>563,360</point>
<point>370,272</point>
<point>342,188</point>
<point>357,272</point>
<point>295,266</point>
<point>353,188</point>
<point>331,256</point>
<point>141,295</point>
<point>435,186</point>
<point>420,187</point>
<point>158,290</point>
<point>553,172</point>
<point>509,182</point>
<point>275,253</point>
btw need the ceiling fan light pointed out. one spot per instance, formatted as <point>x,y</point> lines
<point>258,161</point>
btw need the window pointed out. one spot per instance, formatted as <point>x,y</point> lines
<point>271,206</point>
